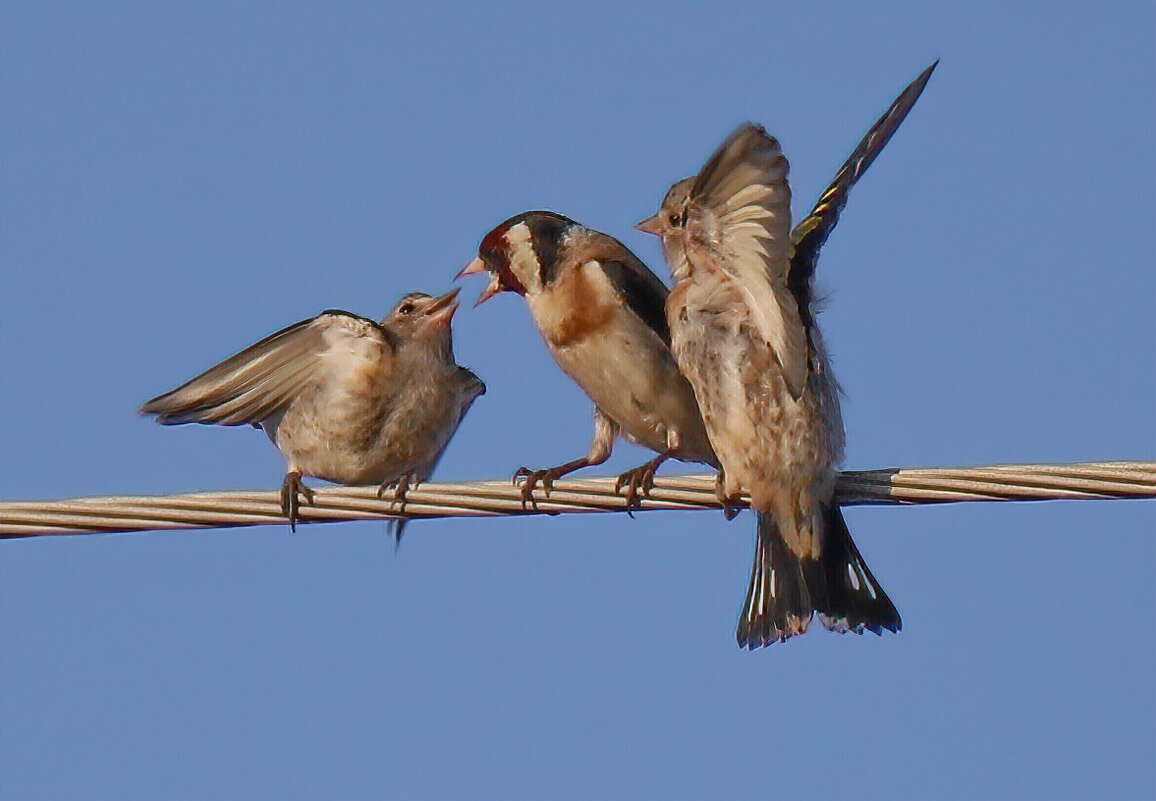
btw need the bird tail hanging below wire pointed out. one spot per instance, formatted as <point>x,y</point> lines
<point>786,589</point>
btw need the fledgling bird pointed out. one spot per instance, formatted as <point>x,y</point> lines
<point>743,332</point>
<point>344,398</point>
<point>601,313</point>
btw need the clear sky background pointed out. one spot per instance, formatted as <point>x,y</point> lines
<point>179,180</point>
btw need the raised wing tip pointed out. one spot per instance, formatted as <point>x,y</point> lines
<point>750,142</point>
<point>749,127</point>
<point>751,134</point>
<point>924,77</point>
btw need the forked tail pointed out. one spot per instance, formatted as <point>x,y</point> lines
<point>786,590</point>
<point>855,601</point>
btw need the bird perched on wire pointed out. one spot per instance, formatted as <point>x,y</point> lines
<point>601,313</point>
<point>744,333</point>
<point>344,398</point>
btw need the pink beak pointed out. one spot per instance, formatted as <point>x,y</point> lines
<point>473,268</point>
<point>492,288</point>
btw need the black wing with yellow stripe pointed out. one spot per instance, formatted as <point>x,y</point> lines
<point>812,232</point>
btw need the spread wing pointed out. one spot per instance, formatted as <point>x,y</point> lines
<point>264,378</point>
<point>810,234</point>
<point>739,224</point>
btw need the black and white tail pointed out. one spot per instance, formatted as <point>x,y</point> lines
<point>786,590</point>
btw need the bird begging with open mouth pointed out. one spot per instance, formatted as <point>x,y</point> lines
<point>344,398</point>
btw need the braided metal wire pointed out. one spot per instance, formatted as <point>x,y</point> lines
<point>1013,482</point>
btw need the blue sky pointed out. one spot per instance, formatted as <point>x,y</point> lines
<point>180,180</point>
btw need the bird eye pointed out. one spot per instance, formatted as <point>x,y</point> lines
<point>677,220</point>
<point>405,308</point>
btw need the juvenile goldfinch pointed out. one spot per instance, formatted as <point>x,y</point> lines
<point>744,334</point>
<point>344,398</point>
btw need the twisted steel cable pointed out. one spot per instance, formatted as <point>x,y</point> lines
<point>1012,482</point>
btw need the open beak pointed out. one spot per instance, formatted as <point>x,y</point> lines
<point>651,225</point>
<point>441,309</point>
<point>494,287</point>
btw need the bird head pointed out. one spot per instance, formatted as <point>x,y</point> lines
<point>670,218</point>
<point>519,253</point>
<point>417,314</point>
<point>669,223</point>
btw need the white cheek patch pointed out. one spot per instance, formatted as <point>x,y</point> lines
<point>523,258</point>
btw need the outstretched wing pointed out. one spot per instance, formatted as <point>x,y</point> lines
<point>739,223</point>
<point>264,378</point>
<point>812,232</point>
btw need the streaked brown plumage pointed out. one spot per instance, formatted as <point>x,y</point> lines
<point>743,331</point>
<point>344,398</point>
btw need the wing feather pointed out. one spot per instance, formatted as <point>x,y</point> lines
<point>812,232</point>
<point>739,222</point>
<point>642,291</point>
<point>254,384</point>
<point>637,285</point>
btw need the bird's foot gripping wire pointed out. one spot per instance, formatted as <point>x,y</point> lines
<point>638,481</point>
<point>400,486</point>
<point>292,491</point>
<point>730,503</point>
<point>529,479</point>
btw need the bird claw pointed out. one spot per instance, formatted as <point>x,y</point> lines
<point>533,478</point>
<point>638,482</point>
<point>731,505</point>
<point>292,490</point>
<point>400,486</point>
<point>528,479</point>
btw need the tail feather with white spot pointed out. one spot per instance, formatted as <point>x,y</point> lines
<point>854,601</point>
<point>779,603</point>
<point>786,590</point>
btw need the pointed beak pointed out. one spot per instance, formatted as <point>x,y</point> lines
<point>441,309</point>
<point>494,287</point>
<point>651,225</point>
<point>474,267</point>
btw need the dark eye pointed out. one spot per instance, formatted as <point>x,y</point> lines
<point>405,308</point>
<point>677,220</point>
